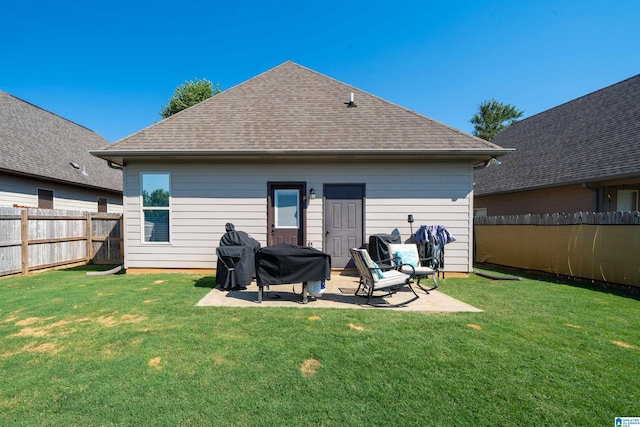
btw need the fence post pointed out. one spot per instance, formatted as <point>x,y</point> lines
<point>89,228</point>
<point>24,240</point>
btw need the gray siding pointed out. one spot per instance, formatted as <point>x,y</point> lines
<point>22,191</point>
<point>204,197</point>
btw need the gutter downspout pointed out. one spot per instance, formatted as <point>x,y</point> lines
<point>114,165</point>
<point>596,196</point>
<point>482,165</point>
<point>487,163</point>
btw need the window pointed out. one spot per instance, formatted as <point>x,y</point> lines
<point>102,204</point>
<point>286,208</point>
<point>627,200</point>
<point>478,212</point>
<point>45,199</point>
<point>155,206</point>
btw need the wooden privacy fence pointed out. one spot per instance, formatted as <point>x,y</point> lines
<point>602,246</point>
<point>34,239</point>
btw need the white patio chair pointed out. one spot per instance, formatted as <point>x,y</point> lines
<point>405,255</point>
<point>374,278</point>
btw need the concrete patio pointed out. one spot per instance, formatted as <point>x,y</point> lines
<point>339,294</point>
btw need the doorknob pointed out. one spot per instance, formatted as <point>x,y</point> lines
<point>273,228</point>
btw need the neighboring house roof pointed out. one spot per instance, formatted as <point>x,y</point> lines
<point>37,143</point>
<point>593,138</point>
<point>292,111</point>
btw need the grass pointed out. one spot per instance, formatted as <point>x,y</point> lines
<point>135,350</point>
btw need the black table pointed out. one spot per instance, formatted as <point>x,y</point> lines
<point>284,264</point>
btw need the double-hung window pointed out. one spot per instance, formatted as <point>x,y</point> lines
<point>156,195</point>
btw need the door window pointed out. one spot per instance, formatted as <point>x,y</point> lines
<point>287,214</point>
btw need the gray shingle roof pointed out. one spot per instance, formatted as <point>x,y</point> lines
<point>592,138</point>
<point>38,143</point>
<point>291,109</point>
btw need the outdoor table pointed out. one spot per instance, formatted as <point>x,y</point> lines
<point>285,263</point>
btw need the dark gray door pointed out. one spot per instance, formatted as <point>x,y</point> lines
<point>343,221</point>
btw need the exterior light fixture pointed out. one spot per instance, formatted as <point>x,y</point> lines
<point>312,194</point>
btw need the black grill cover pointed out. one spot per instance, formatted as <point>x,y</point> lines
<point>285,263</point>
<point>245,268</point>
<point>379,246</point>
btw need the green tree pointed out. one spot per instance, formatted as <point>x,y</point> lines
<point>188,94</point>
<point>493,117</point>
<point>159,197</point>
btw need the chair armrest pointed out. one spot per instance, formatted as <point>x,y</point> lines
<point>396,267</point>
<point>392,264</point>
<point>373,270</point>
<point>396,263</point>
<point>430,262</point>
<point>413,270</point>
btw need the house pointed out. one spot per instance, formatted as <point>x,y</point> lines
<point>292,155</point>
<point>45,162</point>
<point>581,156</point>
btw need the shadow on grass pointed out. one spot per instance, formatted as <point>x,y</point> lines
<point>625,291</point>
<point>205,282</point>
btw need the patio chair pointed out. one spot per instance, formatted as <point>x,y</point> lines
<point>405,255</point>
<point>374,278</point>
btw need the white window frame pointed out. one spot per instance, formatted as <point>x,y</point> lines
<point>154,208</point>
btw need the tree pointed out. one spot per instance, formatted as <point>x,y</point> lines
<point>493,117</point>
<point>188,94</point>
<point>159,197</point>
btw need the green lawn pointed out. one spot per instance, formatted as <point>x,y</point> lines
<point>135,350</point>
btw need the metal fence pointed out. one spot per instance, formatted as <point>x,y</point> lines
<point>601,246</point>
<point>34,239</point>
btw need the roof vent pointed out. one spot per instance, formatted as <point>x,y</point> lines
<point>75,165</point>
<point>351,104</point>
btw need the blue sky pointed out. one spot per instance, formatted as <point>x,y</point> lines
<point>111,65</point>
